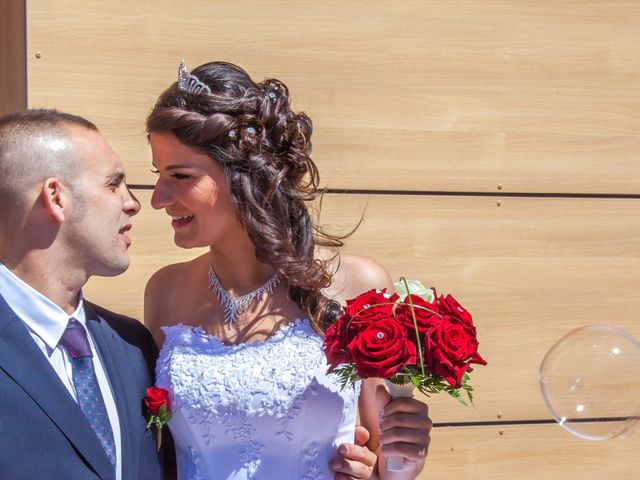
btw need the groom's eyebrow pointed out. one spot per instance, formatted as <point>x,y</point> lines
<point>116,178</point>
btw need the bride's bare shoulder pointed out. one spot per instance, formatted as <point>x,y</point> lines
<point>176,274</point>
<point>168,288</point>
<point>354,274</point>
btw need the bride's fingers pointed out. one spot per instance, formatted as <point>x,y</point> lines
<point>407,405</point>
<point>413,452</point>
<point>350,469</point>
<point>405,429</point>
<point>357,453</point>
<point>411,443</point>
<point>405,420</point>
<point>353,461</point>
<point>361,435</point>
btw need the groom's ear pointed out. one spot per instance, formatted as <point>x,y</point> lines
<point>56,198</point>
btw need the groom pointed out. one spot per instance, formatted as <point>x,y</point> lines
<point>72,375</point>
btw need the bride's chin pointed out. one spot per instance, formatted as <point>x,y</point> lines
<point>183,241</point>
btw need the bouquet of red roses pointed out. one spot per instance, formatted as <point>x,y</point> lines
<point>409,336</point>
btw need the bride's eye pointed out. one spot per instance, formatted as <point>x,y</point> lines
<point>154,170</point>
<point>180,176</point>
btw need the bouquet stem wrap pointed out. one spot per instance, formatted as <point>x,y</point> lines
<point>395,463</point>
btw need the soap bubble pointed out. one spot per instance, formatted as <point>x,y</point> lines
<point>590,380</point>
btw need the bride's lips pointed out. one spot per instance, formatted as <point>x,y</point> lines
<point>125,237</point>
<point>180,221</point>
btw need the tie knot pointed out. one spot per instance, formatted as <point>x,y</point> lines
<point>75,341</point>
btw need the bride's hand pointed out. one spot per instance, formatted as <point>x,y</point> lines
<point>405,427</point>
<point>354,461</point>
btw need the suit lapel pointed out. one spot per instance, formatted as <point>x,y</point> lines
<point>116,364</point>
<point>22,360</point>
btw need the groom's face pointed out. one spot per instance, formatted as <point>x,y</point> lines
<point>103,206</point>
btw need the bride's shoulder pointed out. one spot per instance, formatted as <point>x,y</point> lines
<point>363,273</point>
<point>354,274</point>
<point>177,274</point>
<point>167,289</point>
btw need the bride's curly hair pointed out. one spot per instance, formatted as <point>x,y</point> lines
<point>264,149</point>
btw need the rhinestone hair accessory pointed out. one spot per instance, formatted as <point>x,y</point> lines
<point>235,306</point>
<point>190,83</point>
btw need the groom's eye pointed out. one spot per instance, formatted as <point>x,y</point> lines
<point>115,181</point>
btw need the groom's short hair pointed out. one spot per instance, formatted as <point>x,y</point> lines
<point>35,144</point>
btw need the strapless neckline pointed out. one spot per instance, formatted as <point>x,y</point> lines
<point>199,331</point>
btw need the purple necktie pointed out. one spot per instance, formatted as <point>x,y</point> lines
<point>74,340</point>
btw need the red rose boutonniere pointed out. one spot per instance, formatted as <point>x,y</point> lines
<point>159,408</point>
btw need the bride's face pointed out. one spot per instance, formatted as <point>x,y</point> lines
<point>193,190</point>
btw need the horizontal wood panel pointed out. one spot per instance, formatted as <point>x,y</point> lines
<point>421,96</point>
<point>529,270</point>
<point>527,452</point>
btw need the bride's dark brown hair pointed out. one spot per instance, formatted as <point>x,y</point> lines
<point>264,149</point>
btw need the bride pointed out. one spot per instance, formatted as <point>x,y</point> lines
<point>241,327</point>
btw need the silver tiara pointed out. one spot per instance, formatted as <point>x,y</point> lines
<point>190,83</point>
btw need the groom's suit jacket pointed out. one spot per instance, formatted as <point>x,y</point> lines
<point>43,433</point>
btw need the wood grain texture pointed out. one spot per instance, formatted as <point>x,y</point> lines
<point>13,62</point>
<point>417,95</point>
<point>530,271</point>
<point>527,452</point>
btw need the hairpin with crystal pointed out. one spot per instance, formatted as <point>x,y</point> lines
<point>190,83</point>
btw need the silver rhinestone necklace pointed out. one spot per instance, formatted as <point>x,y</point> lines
<point>235,306</point>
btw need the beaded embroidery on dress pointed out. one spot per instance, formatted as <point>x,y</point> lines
<point>261,411</point>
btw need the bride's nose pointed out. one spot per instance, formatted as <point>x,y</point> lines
<point>162,196</point>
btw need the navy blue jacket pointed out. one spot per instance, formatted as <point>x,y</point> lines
<point>43,433</point>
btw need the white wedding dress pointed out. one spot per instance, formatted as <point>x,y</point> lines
<point>265,410</point>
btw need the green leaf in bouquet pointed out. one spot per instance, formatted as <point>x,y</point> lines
<point>346,376</point>
<point>455,393</point>
<point>467,388</point>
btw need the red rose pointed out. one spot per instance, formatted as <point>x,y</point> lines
<point>159,406</point>
<point>426,315</point>
<point>381,349</point>
<point>450,306</point>
<point>335,345</point>
<point>360,305</point>
<point>367,307</point>
<point>450,346</point>
<point>155,399</point>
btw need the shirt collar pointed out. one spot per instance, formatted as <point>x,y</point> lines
<point>41,315</point>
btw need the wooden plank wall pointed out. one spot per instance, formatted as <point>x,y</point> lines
<point>492,146</point>
<point>13,60</point>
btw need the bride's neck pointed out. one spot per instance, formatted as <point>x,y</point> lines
<point>240,271</point>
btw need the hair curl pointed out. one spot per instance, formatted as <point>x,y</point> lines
<point>264,149</point>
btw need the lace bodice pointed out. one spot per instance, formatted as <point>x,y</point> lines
<point>264,410</point>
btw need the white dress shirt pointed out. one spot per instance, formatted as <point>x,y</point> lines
<point>46,323</point>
